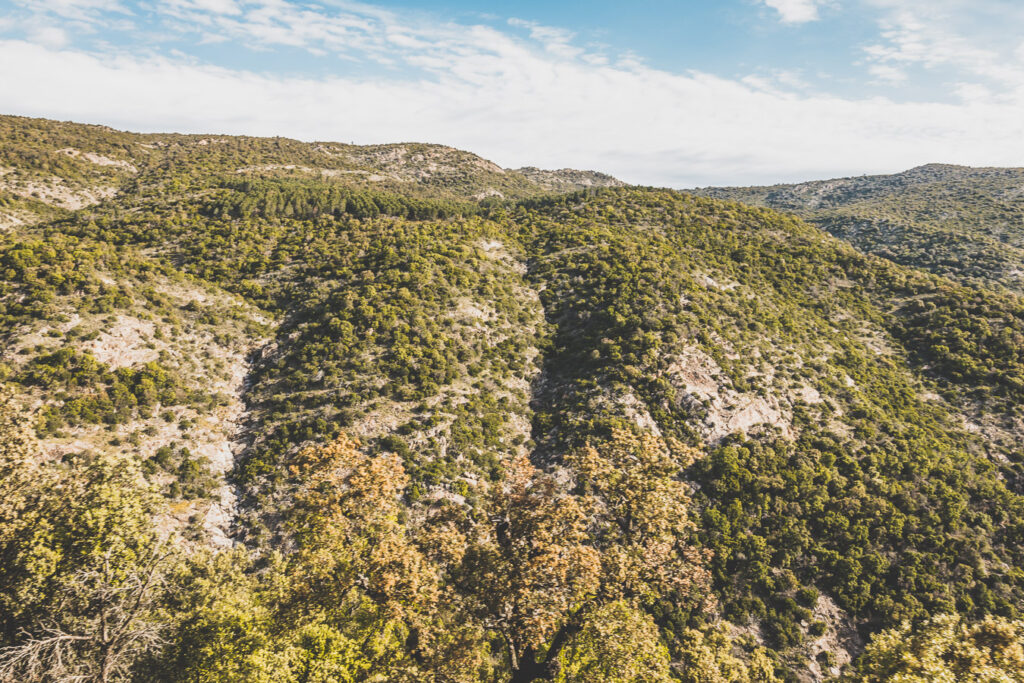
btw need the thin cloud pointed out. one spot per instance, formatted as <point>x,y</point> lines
<point>80,10</point>
<point>961,38</point>
<point>795,11</point>
<point>519,95</point>
<point>525,107</point>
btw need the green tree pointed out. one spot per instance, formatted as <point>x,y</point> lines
<point>945,649</point>
<point>84,572</point>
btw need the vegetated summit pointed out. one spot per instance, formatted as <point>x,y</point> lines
<point>318,412</point>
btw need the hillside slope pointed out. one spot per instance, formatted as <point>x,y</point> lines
<point>957,221</point>
<point>393,428</point>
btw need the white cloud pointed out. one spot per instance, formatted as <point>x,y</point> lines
<point>74,9</point>
<point>496,96</point>
<point>217,6</point>
<point>888,74</point>
<point>795,11</point>
<point>50,36</point>
<point>527,95</point>
<point>977,39</point>
<point>555,40</point>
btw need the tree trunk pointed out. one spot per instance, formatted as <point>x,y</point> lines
<point>529,669</point>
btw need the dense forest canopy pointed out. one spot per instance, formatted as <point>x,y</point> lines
<point>289,411</point>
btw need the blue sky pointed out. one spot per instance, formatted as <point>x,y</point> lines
<point>677,93</point>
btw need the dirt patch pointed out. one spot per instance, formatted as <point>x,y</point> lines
<point>127,342</point>
<point>275,167</point>
<point>98,159</point>
<point>711,283</point>
<point>473,310</point>
<point>495,250</point>
<point>809,395</point>
<point>637,412</point>
<point>840,639</point>
<point>9,220</point>
<point>56,192</point>
<point>701,383</point>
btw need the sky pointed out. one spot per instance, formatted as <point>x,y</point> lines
<point>679,93</point>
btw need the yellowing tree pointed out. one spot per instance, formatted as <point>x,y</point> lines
<point>530,571</point>
<point>616,644</point>
<point>707,658</point>
<point>556,561</point>
<point>639,518</point>
<point>360,566</point>
<point>945,649</point>
<point>348,522</point>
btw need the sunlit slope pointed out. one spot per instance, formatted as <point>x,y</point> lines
<point>228,301</point>
<point>958,221</point>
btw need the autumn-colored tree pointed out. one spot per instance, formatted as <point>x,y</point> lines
<point>617,644</point>
<point>945,649</point>
<point>554,557</point>
<point>529,570</point>
<point>359,563</point>
<point>348,521</point>
<point>639,518</point>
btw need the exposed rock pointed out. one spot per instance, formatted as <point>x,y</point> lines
<point>701,382</point>
<point>840,638</point>
<point>637,412</point>
<point>99,159</point>
<point>57,192</point>
<point>568,179</point>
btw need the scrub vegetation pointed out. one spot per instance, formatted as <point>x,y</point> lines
<point>283,411</point>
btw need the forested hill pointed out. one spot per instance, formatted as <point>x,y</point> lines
<point>958,221</point>
<point>277,411</point>
<point>46,166</point>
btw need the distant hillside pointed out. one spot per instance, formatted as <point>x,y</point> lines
<point>290,411</point>
<point>958,221</point>
<point>567,179</point>
<point>49,167</point>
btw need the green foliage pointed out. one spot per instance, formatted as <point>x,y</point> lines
<point>945,648</point>
<point>35,273</point>
<point>970,338</point>
<point>956,221</point>
<point>707,657</point>
<point>77,540</point>
<point>312,200</point>
<point>835,516</point>
<point>467,339</point>
<point>92,393</point>
<point>619,645</point>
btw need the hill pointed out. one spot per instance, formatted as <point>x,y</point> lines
<point>351,427</point>
<point>961,222</point>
